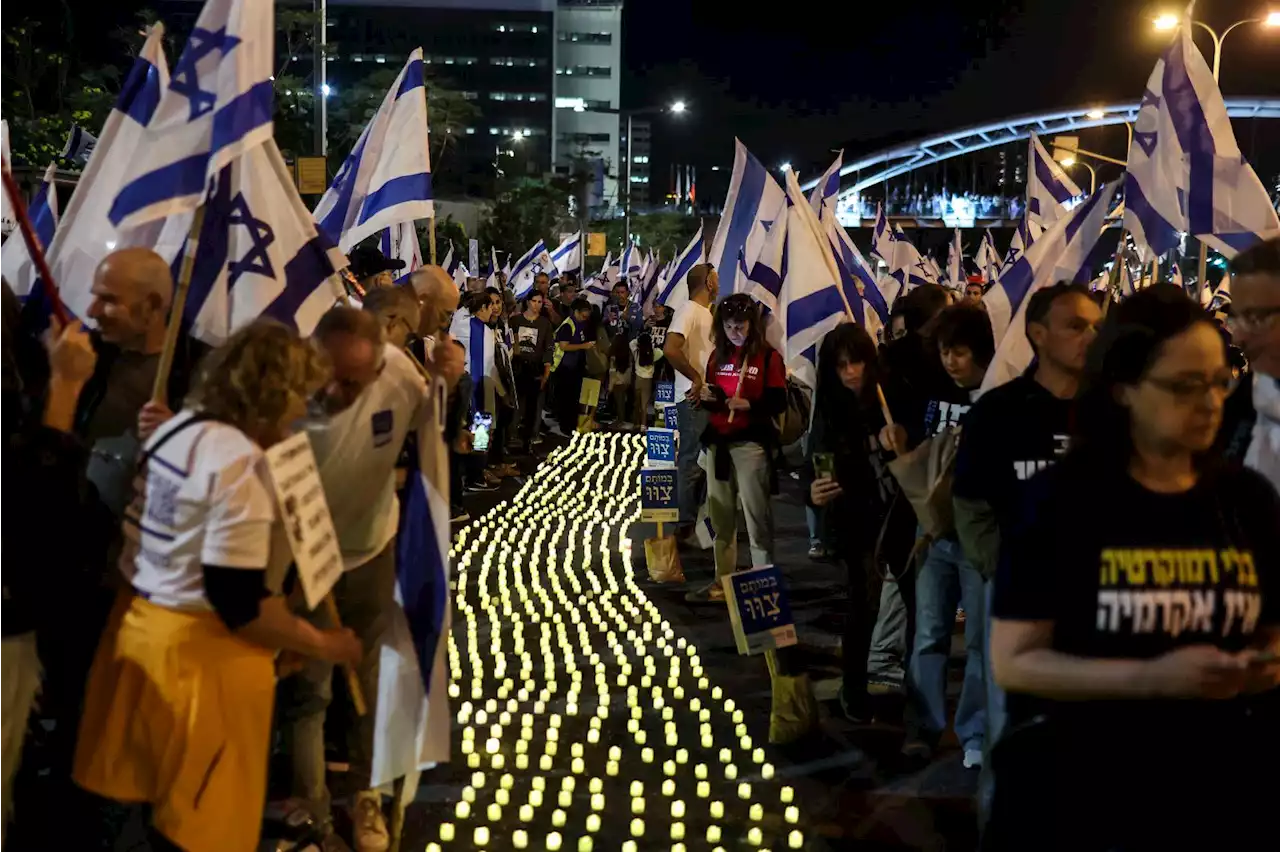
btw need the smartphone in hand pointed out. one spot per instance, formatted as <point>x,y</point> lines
<point>824,465</point>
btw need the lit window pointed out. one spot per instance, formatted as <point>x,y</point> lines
<point>357,58</point>
<point>381,58</point>
<point>471,131</point>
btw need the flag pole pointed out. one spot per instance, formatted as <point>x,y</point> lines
<point>353,680</point>
<point>34,248</point>
<point>159,390</point>
<point>431,238</point>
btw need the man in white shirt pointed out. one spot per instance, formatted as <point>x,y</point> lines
<point>375,399</point>
<point>688,347</point>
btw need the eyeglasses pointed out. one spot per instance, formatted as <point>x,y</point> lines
<point>1253,320</point>
<point>1190,388</point>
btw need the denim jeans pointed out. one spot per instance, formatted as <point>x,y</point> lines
<point>945,580</point>
<point>692,422</point>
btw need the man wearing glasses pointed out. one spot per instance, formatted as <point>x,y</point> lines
<point>1255,328</point>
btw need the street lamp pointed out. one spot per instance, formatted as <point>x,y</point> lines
<point>678,107</point>
<point>1169,21</point>
<point>1068,162</point>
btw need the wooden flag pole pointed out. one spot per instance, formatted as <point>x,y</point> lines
<point>159,390</point>
<point>431,238</point>
<point>353,680</point>
<point>737,392</point>
<point>34,249</point>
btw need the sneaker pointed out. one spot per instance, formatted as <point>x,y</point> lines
<point>883,686</point>
<point>817,553</point>
<point>712,592</point>
<point>917,751</point>
<point>492,478</point>
<point>369,828</point>
<point>973,758</point>
<point>459,516</point>
<point>507,470</point>
<point>482,485</point>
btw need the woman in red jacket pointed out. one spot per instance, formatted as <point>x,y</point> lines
<point>745,388</point>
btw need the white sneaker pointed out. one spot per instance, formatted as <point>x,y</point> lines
<point>369,827</point>
<point>973,758</point>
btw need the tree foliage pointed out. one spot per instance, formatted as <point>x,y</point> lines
<point>526,211</point>
<point>668,233</point>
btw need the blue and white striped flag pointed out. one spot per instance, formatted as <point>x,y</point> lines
<point>1049,190</point>
<point>411,728</point>
<point>1024,236</point>
<point>86,234</point>
<point>1186,172</point>
<point>648,285</point>
<point>79,147</point>
<point>260,253</point>
<point>494,269</point>
<point>828,186</point>
<point>568,255</point>
<point>988,259</point>
<point>216,108</point>
<point>1063,253</point>
<point>629,265</point>
<point>535,260</point>
<point>811,300</point>
<point>754,199</point>
<point>675,292</point>
<point>386,178</point>
<point>448,263</point>
<point>479,361</point>
<point>19,269</point>
<point>955,262</point>
<point>400,241</point>
<point>906,264</point>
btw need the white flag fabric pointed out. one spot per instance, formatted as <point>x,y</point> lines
<point>1186,173</point>
<point>955,262</point>
<point>1024,236</point>
<point>216,108</point>
<point>492,280</point>
<point>400,241</point>
<point>260,253</point>
<point>17,265</point>
<point>824,193</point>
<point>568,255</point>
<point>675,292</point>
<point>7,220</point>
<point>811,301</point>
<point>448,263</point>
<point>80,145</point>
<point>905,261</point>
<point>386,178</point>
<point>86,235</point>
<point>754,201</point>
<point>988,259</point>
<point>1061,254</point>
<point>535,260</point>
<point>477,340</point>
<point>1049,189</point>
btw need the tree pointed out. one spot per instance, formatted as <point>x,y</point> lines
<point>668,233</point>
<point>448,233</point>
<point>527,211</point>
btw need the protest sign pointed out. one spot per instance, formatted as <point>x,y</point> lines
<point>759,609</point>
<point>305,513</point>
<point>658,496</point>
<point>665,393</point>
<point>660,448</point>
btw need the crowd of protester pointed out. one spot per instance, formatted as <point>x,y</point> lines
<point>1106,525</point>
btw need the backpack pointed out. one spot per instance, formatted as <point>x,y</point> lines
<point>792,424</point>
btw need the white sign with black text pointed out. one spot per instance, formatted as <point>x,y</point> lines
<point>305,514</point>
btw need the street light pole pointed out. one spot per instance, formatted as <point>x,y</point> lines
<point>1093,173</point>
<point>322,85</point>
<point>626,210</point>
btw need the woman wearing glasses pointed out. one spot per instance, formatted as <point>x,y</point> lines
<point>1137,611</point>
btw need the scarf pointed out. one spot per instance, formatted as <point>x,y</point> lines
<point>1264,449</point>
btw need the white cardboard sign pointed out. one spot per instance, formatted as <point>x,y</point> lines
<point>305,514</point>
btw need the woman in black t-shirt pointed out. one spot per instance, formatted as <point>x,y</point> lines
<point>1137,611</point>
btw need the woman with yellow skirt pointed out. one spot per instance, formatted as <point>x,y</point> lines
<point>178,711</point>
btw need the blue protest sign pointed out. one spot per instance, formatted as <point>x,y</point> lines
<point>665,393</point>
<point>759,609</point>
<point>660,448</point>
<point>658,501</point>
<point>669,417</point>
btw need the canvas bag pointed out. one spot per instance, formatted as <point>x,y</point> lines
<point>925,475</point>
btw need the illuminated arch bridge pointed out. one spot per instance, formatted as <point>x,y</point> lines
<point>889,163</point>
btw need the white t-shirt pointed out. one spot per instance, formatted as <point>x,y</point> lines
<point>356,451</point>
<point>641,371</point>
<point>205,498</point>
<point>694,322</point>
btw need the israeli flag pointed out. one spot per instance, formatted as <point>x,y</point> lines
<point>1049,190</point>
<point>763,278</point>
<point>598,291</point>
<point>492,280</point>
<point>824,193</point>
<point>754,200</point>
<point>955,262</point>
<point>811,299</point>
<point>906,264</point>
<point>7,220</point>
<point>1186,172</point>
<point>988,259</point>
<point>79,147</point>
<point>386,178</point>
<point>19,269</point>
<point>448,263</point>
<point>568,255</point>
<point>411,729</point>
<point>86,234</point>
<point>400,241</point>
<point>217,107</point>
<point>479,361</point>
<point>629,266</point>
<point>535,260</point>
<point>676,291</point>
<point>648,289</point>
<point>259,253</point>
<point>460,275</point>
<point>659,284</point>
<point>853,265</point>
<point>1024,236</point>
<point>1061,254</point>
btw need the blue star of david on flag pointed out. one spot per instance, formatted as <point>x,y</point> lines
<point>186,77</point>
<point>256,259</point>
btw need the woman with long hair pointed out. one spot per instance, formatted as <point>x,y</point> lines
<point>1137,611</point>
<point>745,389</point>
<point>178,710</point>
<point>853,487</point>
<point>621,373</point>
<point>642,359</point>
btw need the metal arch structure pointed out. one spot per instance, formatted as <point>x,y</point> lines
<point>891,162</point>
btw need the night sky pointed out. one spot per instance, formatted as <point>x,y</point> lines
<point>801,79</point>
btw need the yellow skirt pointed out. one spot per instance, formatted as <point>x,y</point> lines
<point>178,715</point>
